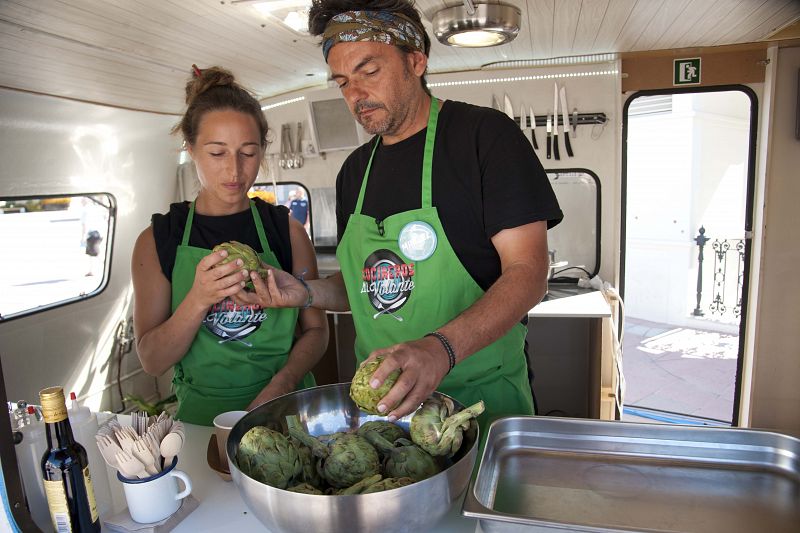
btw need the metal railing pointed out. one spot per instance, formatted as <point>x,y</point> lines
<point>727,278</point>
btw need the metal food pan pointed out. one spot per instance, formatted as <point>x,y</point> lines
<point>561,474</point>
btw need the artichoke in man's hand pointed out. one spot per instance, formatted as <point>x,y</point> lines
<point>363,394</point>
<point>437,429</point>
<point>237,250</point>
<point>403,458</point>
<point>268,456</point>
<point>344,460</point>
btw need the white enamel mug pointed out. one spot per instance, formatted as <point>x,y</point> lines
<point>155,498</point>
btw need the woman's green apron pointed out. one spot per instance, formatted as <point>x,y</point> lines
<point>237,349</point>
<point>404,280</point>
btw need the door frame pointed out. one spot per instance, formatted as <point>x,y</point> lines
<point>748,210</point>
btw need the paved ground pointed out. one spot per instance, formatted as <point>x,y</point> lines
<point>679,369</point>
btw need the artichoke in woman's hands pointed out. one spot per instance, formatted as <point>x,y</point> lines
<point>437,429</point>
<point>269,457</point>
<point>237,250</point>
<point>367,398</point>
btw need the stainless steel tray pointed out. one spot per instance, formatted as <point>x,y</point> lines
<point>561,474</point>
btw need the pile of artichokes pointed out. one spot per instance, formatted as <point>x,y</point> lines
<point>378,456</point>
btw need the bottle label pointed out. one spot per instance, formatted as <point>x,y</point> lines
<point>57,502</point>
<point>87,478</point>
<point>54,412</point>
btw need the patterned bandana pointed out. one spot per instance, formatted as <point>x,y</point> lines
<point>374,26</point>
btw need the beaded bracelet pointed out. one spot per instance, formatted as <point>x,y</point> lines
<point>451,355</point>
<point>310,299</point>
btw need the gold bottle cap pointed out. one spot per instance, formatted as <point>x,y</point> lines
<point>54,404</point>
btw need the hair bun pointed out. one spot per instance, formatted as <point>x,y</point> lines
<point>207,78</point>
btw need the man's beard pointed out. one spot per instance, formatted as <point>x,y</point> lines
<point>372,125</point>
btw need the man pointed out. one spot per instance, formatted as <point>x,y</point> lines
<point>298,206</point>
<point>442,219</point>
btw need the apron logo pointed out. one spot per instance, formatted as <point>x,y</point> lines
<point>386,279</point>
<point>417,240</point>
<point>231,322</point>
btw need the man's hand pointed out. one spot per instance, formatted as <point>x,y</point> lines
<point>213,282</point>
<point>279,289</point>
<point>424,364</point>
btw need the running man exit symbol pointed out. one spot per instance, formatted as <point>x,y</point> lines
<point>686,71</point>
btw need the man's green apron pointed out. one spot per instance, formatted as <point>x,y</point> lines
<point>404,280</point>
<point>237,350</point>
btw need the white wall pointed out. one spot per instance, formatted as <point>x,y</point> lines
<point>56,146</point>
<point>775,402</point>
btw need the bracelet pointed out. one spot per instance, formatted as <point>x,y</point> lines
<point>310,299</point>
<point>451,355</point>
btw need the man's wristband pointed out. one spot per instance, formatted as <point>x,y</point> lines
<point>310,299</point>
<point>451,354</point>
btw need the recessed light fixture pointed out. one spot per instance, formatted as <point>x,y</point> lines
<point>475,26</point>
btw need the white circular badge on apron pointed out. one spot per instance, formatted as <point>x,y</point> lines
<point>417,240</point>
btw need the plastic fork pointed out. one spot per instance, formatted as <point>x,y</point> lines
<point>130,467</point>
<point>125,440</point>
<point>142,452</point>
<point>108,449</point>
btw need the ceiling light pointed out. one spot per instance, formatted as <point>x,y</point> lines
<point>476,26</point>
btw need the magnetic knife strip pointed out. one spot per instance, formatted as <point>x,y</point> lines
<point>583,118</point>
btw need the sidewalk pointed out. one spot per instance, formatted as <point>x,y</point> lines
<point>678,369</point>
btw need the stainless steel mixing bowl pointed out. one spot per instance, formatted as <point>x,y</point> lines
<point>328,409</point>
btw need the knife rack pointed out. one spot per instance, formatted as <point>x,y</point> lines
<point>583,118</point>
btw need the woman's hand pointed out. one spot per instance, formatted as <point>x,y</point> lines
<point>213,281</point>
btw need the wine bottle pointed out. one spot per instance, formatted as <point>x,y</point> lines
<point>65,468</point>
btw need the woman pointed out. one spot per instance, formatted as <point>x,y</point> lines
<point>191,309</point>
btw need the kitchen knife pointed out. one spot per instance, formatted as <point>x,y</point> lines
<point>549,133</point>
<point>565,115</point>
<point>508,107</point>
<point>522,119</point>
<point>575,123</point>
<point>556,155</point>
<point>533,128</point>
<point>495,105</point>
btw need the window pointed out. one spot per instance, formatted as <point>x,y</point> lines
<point>290,194</point>
<point>56,250</point>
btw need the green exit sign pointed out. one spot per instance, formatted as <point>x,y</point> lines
<point>686,71</point>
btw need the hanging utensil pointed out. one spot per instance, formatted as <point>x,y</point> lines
<point>290,148</point>
<point>298,148</point>
<point>549,128</point>
<point>556,155</point>
<point>282,159</point>
<point>495,105</point>
<point>509,109</point>
<point>533,128</point>
<point>565,115</point>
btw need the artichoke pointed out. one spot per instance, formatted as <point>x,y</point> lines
<point>361,486</point>
<point>438,431</point>
<point>388,484</point>
<point>305,488</point>
<point>403,458</point>
<point>267,456</point>
<point>344,460</point>
<point>363,394</point>
<point>237,250</point>
<point>387,430</point>
<point>309,474</point>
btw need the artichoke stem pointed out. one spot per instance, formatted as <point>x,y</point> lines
<point>317,448</point>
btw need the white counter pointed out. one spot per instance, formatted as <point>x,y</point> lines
<point>580,305</point>
<point>222,509</point>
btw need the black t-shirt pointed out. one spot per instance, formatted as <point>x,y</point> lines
<point>209,231</point>
<point>486,178</point>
